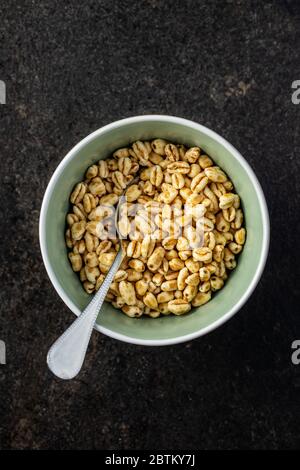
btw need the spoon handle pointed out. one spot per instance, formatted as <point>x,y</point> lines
<point>66,355</point>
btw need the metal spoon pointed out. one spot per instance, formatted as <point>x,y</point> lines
<point>66,355</point>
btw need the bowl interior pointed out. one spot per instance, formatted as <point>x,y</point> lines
<point>100,145</point>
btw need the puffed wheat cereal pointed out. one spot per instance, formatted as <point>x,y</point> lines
<point>182,226</point>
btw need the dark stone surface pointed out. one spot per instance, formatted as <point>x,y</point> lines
<point>71,67</point>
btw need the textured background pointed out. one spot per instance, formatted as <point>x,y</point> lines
<point>71,67</point>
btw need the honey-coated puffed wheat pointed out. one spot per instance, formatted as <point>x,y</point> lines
<point>181,224</point>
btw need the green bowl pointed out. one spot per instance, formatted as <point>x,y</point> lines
<point>170,329</point>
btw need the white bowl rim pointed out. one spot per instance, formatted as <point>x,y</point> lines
<point>251,175</point>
